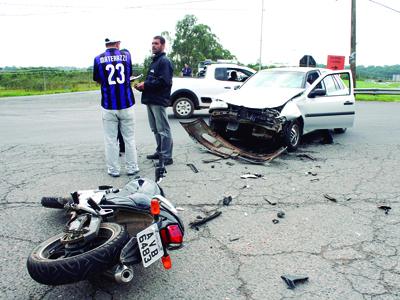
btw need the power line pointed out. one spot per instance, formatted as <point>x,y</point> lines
<point>170,4</point>
<point>46,5</point>
<point>83,9</point>
<point>102,7</point>
<point>388,7</point>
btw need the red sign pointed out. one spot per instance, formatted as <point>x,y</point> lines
<point>335,62</point>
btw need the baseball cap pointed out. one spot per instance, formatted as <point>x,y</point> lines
<point>111,40</point>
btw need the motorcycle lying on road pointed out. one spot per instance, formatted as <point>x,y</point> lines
<point>109,231</point>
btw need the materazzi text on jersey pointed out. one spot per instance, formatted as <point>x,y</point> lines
<point>111,58</point>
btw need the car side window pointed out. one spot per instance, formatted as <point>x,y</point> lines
<point>311,77</point>
<point>330,86</point>
<point>334,86</point>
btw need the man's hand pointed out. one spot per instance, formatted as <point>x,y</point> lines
<point>139,86</point>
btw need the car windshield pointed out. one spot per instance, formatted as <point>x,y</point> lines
<point>276,79</point>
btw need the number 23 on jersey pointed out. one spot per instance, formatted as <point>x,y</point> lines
<point>120,76</point>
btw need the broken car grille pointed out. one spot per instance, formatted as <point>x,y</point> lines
<point>268,117</point>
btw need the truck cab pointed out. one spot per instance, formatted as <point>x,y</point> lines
<point>190,94</point>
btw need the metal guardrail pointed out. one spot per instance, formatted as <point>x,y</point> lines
<point>376,91</point>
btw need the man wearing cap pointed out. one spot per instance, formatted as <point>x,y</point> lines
<point>112,70</point>
<point>156,93</point>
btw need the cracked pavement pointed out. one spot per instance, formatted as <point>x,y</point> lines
<point>349,249</point>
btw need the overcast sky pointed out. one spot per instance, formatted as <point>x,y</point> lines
<point>72,32</point>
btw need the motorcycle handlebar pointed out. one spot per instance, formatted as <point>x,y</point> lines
<point>55,202</point>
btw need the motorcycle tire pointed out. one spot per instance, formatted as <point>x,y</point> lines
<point>48,265</point>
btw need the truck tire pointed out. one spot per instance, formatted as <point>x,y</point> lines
<point>339,130</point>
<point>48,265</point>
<point>183,107</point>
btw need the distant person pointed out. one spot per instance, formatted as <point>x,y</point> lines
<point>234,76</point>
<point>112,70</point>
<point>187,71</point>
<point>156,91</point>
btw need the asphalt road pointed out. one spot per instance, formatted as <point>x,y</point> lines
<point>349,249</point>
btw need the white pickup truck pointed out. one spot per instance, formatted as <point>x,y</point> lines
<point>189,94</point>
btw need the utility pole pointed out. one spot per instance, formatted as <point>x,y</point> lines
<point>261,34</point>
<point>352,58</point>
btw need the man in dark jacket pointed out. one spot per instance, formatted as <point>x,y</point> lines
<point>156,91</point>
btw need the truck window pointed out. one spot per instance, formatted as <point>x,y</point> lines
<point>221,74</point>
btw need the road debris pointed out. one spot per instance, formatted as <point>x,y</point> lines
<point>280,214</point>
<point>193,167</point>
<point>251,176</point>
<point>202,221</point>
<point>303,155</point>
<point>180,208</point>
<point>291,280</point>
<point>211,160</point>
<point>234,239</point>
<point>269,201</point>
<point>333,199</point>
<point>385,208</point>
<point>227,200</point>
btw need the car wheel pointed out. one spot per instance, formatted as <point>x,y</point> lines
<point>339,130</point>
<point>292,135</point>
<point>183,108</point>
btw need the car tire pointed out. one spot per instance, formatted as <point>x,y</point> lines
<point>292,135</point>
<point>339,130</point>
<point>183,108</point>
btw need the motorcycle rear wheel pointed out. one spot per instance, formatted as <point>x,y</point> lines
<point>47,263</point>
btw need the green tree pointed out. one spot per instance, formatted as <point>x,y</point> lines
<point>194,43</point>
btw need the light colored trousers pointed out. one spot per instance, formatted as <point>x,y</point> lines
<point>125,118</point>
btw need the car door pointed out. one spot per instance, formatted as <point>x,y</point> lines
<point>329,103</point>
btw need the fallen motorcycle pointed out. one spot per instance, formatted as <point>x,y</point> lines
<point>109,231</point>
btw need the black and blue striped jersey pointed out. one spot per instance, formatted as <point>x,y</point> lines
<point>113,69</point>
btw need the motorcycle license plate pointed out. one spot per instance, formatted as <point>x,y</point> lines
<point>150,245</point>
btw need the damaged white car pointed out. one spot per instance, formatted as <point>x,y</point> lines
<point>284,103</point>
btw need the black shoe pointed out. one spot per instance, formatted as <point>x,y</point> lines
<point>153,156</point>
<point>168,161</point>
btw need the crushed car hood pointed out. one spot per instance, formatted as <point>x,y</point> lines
<point>260,97</point>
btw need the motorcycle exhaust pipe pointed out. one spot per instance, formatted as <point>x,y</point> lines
<point>120,273</point>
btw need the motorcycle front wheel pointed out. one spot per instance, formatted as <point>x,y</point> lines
<point>47,264</point>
